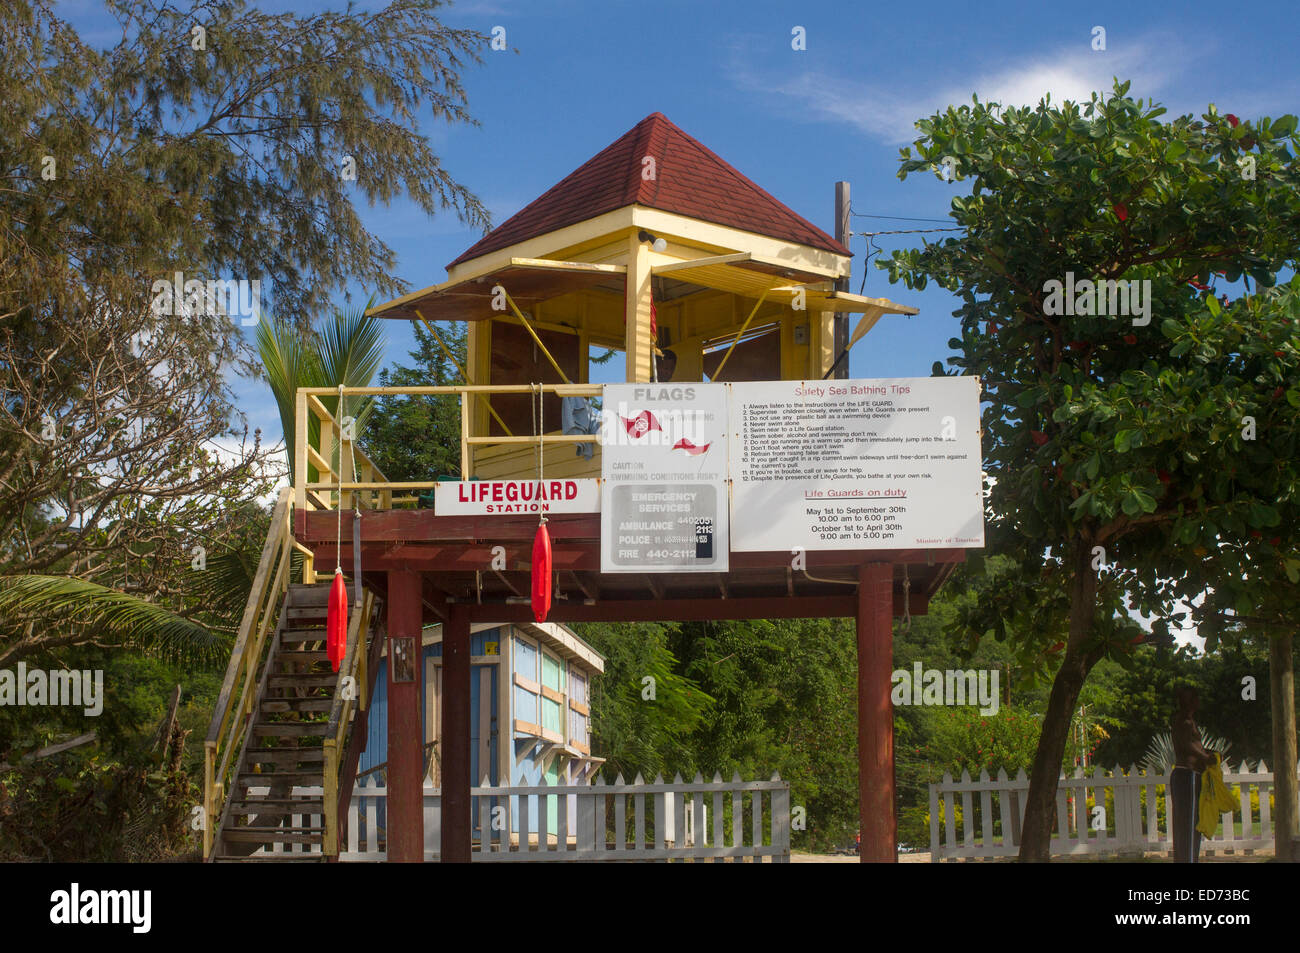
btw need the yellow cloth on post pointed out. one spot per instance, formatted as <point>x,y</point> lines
<point>1216,799</point>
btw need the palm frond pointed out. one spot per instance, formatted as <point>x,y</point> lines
<point>289,365</point>
<point>1159,758</point>
<point>347,349</point>
<point>107,616</point>
<point>351,351</point>
<point>223,586</point>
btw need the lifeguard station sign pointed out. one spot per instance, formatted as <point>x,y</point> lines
<point>857,464</point>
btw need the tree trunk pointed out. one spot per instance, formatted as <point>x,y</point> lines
<point>1040,808</point>
<point>1281,671</point>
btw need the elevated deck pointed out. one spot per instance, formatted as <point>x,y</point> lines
<point>456,555</point>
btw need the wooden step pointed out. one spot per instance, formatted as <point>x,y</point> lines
<point>296,690</point>
<point>287,754</point>
<point>290,729</point>
<point>280,805</point>
<point>308,612</point>
<point>299,778</point>
<point>297,636</point>
<point>269,859</point>
<point>302,679</point>
<point>274,835</point>
<point>281,705</point>
<point>309,657</point>
<point>317,595</point>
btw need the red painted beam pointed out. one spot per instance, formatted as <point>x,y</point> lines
<point>878,823</point>
<point>454,746</point>
<point>460,557</point>
<point>585,556</point>
<point>405,741</point>
<point>414,529</point>
<point>414,525</point>
<point>676,610</point>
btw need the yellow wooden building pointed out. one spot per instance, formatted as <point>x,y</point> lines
<point>657,248</point>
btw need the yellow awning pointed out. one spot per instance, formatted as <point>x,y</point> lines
<point>527,280</point>
<point>741,273</point>
<point>854,304</point>
<point>744,274</point>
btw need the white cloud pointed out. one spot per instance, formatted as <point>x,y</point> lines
<point>1160,66</point>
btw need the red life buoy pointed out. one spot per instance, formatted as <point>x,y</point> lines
<point>541,573</point>
<point>336,621</point>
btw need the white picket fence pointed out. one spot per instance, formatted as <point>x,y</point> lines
<point>679,820</point>
<point>986,822</point>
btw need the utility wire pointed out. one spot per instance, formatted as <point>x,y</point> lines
<point>913,231</point>
<point>897,218</point>
<point>873,249</point>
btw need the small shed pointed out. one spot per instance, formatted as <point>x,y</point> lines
<point>535,679</point>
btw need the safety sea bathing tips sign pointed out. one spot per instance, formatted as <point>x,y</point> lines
<point>856,464</point>
<point>663,492</point>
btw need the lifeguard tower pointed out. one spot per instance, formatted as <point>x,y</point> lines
<point>656,248</point>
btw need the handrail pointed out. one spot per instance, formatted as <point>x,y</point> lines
<point>345,696</point>
<point>260,612</point>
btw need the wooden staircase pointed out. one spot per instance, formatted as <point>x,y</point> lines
<point>276,808</point>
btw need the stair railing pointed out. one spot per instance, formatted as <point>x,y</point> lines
<point>350,693</point>
<point>231,713</point>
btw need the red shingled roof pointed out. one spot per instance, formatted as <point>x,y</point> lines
<point>690,180</point>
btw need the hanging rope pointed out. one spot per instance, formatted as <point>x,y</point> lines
<point>338,541</point>
<point>541,566</point>
<point>356,511</point>
<point>539,399</point>
<point>336,618</point>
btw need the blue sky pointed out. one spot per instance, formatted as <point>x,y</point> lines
<point>796,121</point>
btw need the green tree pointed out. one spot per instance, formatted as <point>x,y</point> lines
<point>211,140</point>
<point>644,711</point>
<point>1116,447</point>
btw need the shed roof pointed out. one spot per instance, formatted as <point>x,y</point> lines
<point>689,179</point>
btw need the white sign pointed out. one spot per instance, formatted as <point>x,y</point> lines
<point>663,491</point>
<point>856,464</point>
<point>506,497</point>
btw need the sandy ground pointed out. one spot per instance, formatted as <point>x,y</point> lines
<point>798,858</point>
<point>924,858</point>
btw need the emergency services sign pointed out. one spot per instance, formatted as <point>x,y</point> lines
<point>663,489</point>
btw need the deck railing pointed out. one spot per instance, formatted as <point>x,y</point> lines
<point>369,487</point>
<point>1098,813</point>
<point>739,821</point>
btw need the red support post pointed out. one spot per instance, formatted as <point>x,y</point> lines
<point>456,780</point>
<point>405,741</point>
<point>875,620</point>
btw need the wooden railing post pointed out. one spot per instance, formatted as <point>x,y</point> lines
<point>300,450</point>
<point>781,821</point>
<point>209,818</point>
<point>464,436</point>
<point>330,845</point>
